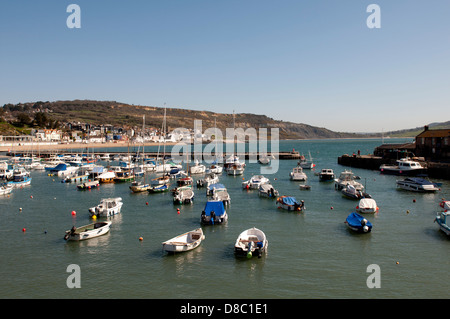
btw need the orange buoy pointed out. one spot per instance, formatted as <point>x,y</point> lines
<point>141,239</point>
<point>74,213</point>
<point>24,229</point>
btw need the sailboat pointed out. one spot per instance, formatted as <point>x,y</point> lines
<point>139,186</point>
<point>232,164</point>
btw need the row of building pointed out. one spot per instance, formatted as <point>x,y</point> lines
<point>431,145</point>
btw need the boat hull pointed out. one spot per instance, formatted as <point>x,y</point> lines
<point>251,242</point>
<point>184,242</point>
<point>87,232</point>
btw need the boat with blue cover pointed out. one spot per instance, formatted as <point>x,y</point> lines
<point>290,203</point>
<point>214,213</point>
<point>358,223</point>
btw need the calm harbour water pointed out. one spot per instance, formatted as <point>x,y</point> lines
<point>310,254</point>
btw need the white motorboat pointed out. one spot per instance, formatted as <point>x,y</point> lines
<point>184,242</point>
<point>347,178</point>
<point>367,205</point>
<point>6,189</point>
<point>445,205</point>
<point>108,207</point>
<point>417,184</point>
<point>235,169</point>
<point>404,166</point>
<point>197,168</point>
<point>297,174</point>
<point>255,181</point>
<point>326,174</point>
<point>183,195</point>
<point>214,168</point>
<point>210,178</point>
<point>267,190</point>
<point>251,242</point>
<point>441,219</point>
<point>88,231</point>
<point>306,164</point>
<point>222,195</point>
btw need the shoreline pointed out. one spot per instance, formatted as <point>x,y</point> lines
<point>80,146</point>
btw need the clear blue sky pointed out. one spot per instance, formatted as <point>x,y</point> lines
<point>313,62</point>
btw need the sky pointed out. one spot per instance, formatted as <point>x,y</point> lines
<point>306,61</point>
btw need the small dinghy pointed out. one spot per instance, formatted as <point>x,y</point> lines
<point>358,223</point>
<point>184,242</point>
<point>88,231</point>
<point>251,242</point>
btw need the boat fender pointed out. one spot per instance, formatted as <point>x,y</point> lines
<point>364,222</point>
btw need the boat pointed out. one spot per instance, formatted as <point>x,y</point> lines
<point>290,203</point>
<point>351,192</point>
<point>108,207</point>
<point>210,178</point>
<point>221,194</point>
<point>267,190</point>
<point>6,189</point>
<point>184,242</point>
<point>297,174</point>
<point>162,180</point>
<point>358,223</point>
<point>124,176</point>
<point>444,205</point>
<point>264,159</point>
<point>21,177</point>
<point>89,185</point>
<point>185,181</point>
<point>159,188</point>
<point>441,219</point>
<point>213,188</point>
<point>107,177</point>
<point>183,195</point>
<point>251,242</point>
<point>138,187</point>
<point>214,168</point>
<point>62,170</point>
<point>306,164</point>
<point>76,178</point>
<point>417,184</point>
<point>214,213</point>
<point>326,174</point>
<point>347,178</point>
<point>305,187</point>
<point>197,168</point>
<point>255,181</point>
<point>235,169</point>
<point>404,166</point>
<point>367,205</point>
<point>88,231</point>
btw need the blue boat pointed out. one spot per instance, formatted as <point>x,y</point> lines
<point>214,213</point>
<point>290,203</point>
<point>358,223</point>
<point>159,188</point>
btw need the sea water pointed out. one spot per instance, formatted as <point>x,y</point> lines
<point>311,254</point>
